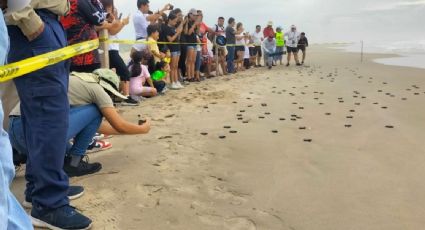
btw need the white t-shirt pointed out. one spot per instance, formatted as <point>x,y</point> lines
<point>246,54</point>
<point>114,46</point>
<point>141,28</point>
<point>257,38</point>
<point>240,42</point>
<point>292,39</point>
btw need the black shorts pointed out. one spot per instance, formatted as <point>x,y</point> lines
<point>292,49</point>
<point>254,51</point>
<point>115,61</point>
<point>302,48</point>
<point>239,48</point>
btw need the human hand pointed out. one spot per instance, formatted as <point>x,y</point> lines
<point>126,20</point>
<point>146,125</point>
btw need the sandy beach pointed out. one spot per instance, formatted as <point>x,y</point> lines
<point>335,144</point>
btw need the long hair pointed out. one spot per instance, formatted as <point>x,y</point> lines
<point>136,68</point>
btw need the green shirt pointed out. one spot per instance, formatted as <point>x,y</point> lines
<point>280,39</point>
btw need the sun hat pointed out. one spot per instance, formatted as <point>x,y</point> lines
<point>106,78</point>
<point>193,11</point>
<point>270,23</point>
<point>110,81</point>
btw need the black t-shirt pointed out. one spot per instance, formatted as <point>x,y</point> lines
<point>230,35</point>
<point>303,42</point>
<point>170,31</point>
<point>190,38</point>
<point>162,38</point>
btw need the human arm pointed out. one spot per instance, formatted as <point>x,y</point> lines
<point>306,42</point>
<point>29,22</point>
<point>154,17</point>
<point>116,125</point>
<point>150,82</point>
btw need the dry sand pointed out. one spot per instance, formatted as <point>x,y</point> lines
<point>365,176</point>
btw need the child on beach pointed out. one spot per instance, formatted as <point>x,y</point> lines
<point>302,45</point>
<point>139,76</point>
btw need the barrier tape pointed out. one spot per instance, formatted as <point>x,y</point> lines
<point>17,69</point>
<point>13,70</point>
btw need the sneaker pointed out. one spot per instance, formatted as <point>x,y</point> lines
<point>100,136</point>
<point>130,102</point>
<point>63,218</point>
<point>179,85</point>
<point>270,67</point>
<point>74,192</point>
<point>173,86</point>
<point>83,168</point>
<point>298,64</point>
<point>287,64</point>
<point>97,146</point>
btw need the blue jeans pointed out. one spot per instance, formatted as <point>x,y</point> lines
<point>280,56</point>
<point>230,59</point>
<point>12,215</point>
<point>84,121</point>
<point>198,61</point>
<point>269,58</point>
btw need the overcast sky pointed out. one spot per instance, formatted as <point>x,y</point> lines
<point>322,20</point>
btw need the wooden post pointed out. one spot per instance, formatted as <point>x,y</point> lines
<point>104,46</point>
<point>361,52</point>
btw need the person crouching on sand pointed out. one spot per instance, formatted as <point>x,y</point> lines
<point>269,47</point>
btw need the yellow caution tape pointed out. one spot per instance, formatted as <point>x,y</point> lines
<point>13,70</point>
<point>17,69</point>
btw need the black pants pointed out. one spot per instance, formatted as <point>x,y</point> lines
<point>116,61</point>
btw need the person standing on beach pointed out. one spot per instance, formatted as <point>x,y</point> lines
<point>142,19</point>
<point>79,25</point>
<point>302,45</point>
<point>280,45</point>
<point>12,215</point>
<point>292,44</point>
<point>257,38</point>
<point>191,38</point>
<point>115,60</point>
<point>220,31</point>
<point>45,113</point>
<point>172,33</point>
<point>231,42</point>
<point>240,46</point>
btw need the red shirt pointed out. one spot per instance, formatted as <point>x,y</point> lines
<point>268,31</point>
<point>203,30</point>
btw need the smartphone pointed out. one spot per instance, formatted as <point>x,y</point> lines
<point>120,16</point>
<point>171,7</point>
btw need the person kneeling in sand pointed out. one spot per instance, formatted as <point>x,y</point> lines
<point>269,47</point>
<point>89,97</point>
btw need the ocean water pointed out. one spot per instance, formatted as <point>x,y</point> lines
<point>412,52</point>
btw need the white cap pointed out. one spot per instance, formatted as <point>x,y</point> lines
<point>15,5</point>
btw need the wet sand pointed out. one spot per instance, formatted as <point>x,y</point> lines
<point>335,144</point>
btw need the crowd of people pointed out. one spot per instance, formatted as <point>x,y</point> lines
<point>67,110</point>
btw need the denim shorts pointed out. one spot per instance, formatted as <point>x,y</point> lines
<point>191,47</point>
<point>175,54</point>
